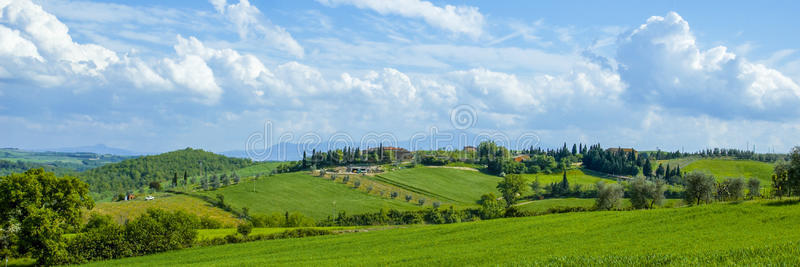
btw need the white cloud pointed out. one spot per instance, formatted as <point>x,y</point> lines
<point>193,73</point>
<point>457,19</point>
<point>251,23</point>
<point>52,39</point>
<point>662,63</point>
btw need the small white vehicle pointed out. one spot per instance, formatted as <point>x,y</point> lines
<point>149,198</point>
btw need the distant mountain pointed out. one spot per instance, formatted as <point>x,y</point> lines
<point>445,139</point>
<point>97,149</point>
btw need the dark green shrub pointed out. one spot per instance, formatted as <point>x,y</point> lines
<point>244,229</point>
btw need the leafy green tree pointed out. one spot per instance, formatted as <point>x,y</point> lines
<point>155,185</point>
<point>244,229</point>
<point>41,206</point>
<point>660,170</point>
<point>734,188</point>
<point>646,194</point>
<point>699,188</point>
<point>608,195</point>
<point>647,168</point>
<point>511,187</point>
<point>754,188</point>
<point>780,179</point>
<point>491,207</point>
<point>408,198</point>
<point>536,186</point>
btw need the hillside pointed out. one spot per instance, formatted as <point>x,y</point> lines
<point>300,192</point>
<point>722,168</point>
<point>574,176</point>
<point>451,186</point>
<point>126,210</point>
<point>14,160</point>
<point>137,173</point>
<point>750,233</point>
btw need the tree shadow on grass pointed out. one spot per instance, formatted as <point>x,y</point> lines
<point>786,202</point>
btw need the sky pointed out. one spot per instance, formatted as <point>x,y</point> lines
<point>154,76</point>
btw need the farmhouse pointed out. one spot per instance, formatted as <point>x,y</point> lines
<point>521,158</point>
<point>626,150</point>
<point>470,149</point>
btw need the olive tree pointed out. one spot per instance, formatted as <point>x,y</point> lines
<point>608,195</point>
<point>699,188</point>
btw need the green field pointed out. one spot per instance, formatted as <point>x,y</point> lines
<point>750,233</point>
<point>550,203</point>
<point>574,176</point>
<point>722,168</point>
<point>125,210</point>
<point>448,185</point>
<point>300,192</point>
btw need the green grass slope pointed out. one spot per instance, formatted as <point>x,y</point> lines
<point>300,192</point>
<point>722,168</point>
<point>448,185</point>
<point>718,234</point>
<point>126,210</point>
<point>574,176</point>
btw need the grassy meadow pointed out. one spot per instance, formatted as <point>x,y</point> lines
<point>574,176</point>
<point>723,168</point>
<point>749,233</point>
<point>124,210</point>
<point>448,185</point>
<point>301,192</point>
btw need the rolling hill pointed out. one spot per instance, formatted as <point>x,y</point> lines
<point>574,176</point>
<point>449,185</point>
<point>137,173</point>
<point>125,210</point>
<point>722,168</point>
<point>751,233</point>
<point>300,192</point>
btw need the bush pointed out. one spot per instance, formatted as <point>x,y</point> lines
<point>436,204</point>
<point>408,198</point>
<point>244,229</point>
<point>732,189</point>
<point>421,201</point>
<point>394,194</point>
<point>158,231</point>
<point>357,184</point>
<point>491,207</point>
<point>209,223</point>
<point>99,242</point>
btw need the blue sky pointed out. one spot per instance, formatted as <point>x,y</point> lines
<point>154,76</point>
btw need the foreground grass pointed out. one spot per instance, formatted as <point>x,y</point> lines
<point>300,192</point>
<point>126,210</point>
<point>750,233</point>
<point>722,168</point>
<point>451,186</point>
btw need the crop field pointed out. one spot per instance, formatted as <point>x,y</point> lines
<point>299,192</point>
<point>125,210</point>
<point>750,233</point>
<point>722,168</point>
<point>448,185</point>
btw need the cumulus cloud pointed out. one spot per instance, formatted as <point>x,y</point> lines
<point>51,39</point>
<point>251,23</point>
<point>662,64</point>
<point>457,19</point>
